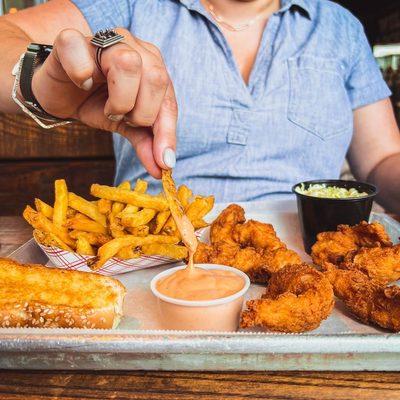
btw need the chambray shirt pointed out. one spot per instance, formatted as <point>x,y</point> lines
<point>292,122</point>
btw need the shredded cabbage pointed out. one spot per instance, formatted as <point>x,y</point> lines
<point>329,192</point>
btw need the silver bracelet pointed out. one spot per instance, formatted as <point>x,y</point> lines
<point>38,118</point>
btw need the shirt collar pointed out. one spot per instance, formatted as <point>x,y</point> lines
<point>286,5</point>
<point>305,5</point>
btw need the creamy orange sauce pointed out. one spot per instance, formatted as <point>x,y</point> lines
<point>193,283</point>
<point>200,284</point>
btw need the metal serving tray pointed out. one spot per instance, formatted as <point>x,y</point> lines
<point>341,343</point>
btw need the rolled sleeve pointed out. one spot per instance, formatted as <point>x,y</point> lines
<point>103,14</point>
<point>365,84</point>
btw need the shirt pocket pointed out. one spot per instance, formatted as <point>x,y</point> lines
<point>318,100</point>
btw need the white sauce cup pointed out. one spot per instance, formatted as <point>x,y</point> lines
<point>221,314</point>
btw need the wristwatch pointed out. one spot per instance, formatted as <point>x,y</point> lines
<point>34,56</point>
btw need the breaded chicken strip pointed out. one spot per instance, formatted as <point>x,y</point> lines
<point>258,264</point>
<point>297,299</point>
<point>222,228</point>
<point>368,300</point>
<point>252,246</point>
<point>381,264</point>
<point>334,246</point>
<point>257,234</point>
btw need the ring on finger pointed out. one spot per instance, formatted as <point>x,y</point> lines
<point>103,39</point>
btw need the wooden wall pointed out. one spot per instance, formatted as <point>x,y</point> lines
<point>31,159</point>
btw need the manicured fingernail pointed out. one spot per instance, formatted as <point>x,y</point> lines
<point>169,157</point>
<point>88,84</point>
<point>115,117</point>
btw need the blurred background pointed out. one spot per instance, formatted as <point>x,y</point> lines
<point>32,158</point>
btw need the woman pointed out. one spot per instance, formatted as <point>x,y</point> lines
<point>269,93</point>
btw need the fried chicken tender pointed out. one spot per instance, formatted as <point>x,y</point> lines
<point>251,246</point>
<point>381,264</point>
<point>257,234</point>
<point>297,299</point>
<point>334,246</point>
<point>222,229</point>
<point>368,300</point>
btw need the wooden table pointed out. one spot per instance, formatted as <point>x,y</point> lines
<point>149,385</point>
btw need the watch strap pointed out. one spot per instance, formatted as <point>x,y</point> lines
<point>35,55</point>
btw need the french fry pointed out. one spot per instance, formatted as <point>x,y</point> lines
<point>128,210</point>
<point>44,208</point>
<point>142,217</point>
<point>104,206</point>
<point>139,230</point>
<point>83,247</point>
<point>116,229</point>
<point>130,197</point>
<point>200,207</point>
<point>95,239</point>
<point>87,208</point>
<point>50,239</point>
<point>184,195</point>
<point>111,248</point>
<point>60,203</point>
<point>161,219</point>
<point>140,186</point>
<point>85,224</point>
<point>40,222</point>
<point>170,227</point>
<point>71,212</point>
<point>117,207</point>
<point>199,223</point>
<point>128,253</point>
<point>166,250</point>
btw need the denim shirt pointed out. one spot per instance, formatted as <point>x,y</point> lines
<point>293,121</point>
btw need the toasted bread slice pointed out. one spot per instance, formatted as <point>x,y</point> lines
<point>33,295</point>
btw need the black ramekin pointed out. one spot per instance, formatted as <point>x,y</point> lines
<point>317,214</point>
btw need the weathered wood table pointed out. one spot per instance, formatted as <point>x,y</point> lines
<point>150,385</point>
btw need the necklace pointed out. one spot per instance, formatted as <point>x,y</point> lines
<point>230,27</point>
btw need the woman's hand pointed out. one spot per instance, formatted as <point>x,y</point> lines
<point>132,95</point>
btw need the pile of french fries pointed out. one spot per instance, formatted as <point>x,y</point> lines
<point>124,222</point>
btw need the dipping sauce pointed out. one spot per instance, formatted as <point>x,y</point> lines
<point>329,192</point>
<point>200,284</point>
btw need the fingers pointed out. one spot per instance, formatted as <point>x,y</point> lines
<point>153,86</point>
<point>123,67</point>
<point>164,130</point>
<point>72,51</point>
<point>141,93</point>
<point>142,141</point>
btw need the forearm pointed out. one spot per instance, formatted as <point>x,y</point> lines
<point>386,176</point>
<point>13,43</point>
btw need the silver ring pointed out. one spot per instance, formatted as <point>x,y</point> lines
<point>103,39</point>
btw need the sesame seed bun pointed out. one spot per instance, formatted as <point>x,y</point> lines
<point>33,295</point>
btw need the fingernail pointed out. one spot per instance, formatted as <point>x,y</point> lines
<point>169,157</point>
<point>131,124</point>
<point>115,117</point>
<point>88,84</point>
